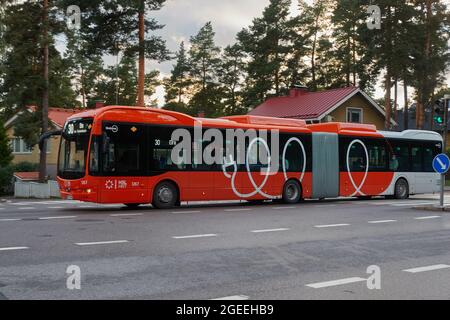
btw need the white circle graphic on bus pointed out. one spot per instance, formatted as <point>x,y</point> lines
<point>258,189</point>
<point>357,188</point>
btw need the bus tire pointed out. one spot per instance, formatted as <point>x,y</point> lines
<point>292,192</point>
<point>401,190</point>
<point>165,195</point>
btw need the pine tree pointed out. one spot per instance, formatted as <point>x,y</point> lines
<point>430,52</point>
<point>86,67</point>
<point>267,45</point>
<point>107,24</point>
<point>177,85</point>
<point>5,148</point>
<point>204,62</point>
<point>231,72</point>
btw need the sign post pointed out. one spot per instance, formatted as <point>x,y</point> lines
<point>441,164</point>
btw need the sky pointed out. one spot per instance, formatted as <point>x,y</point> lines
<point>183,19</point>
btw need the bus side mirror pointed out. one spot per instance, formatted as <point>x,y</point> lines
<point>47,135</point>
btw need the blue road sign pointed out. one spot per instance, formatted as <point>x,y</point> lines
<point>441,163</point>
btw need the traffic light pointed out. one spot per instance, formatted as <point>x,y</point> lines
<point>439,110</point>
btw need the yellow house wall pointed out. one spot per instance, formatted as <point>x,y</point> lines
<point>370,114</point>
<point>33,157</point>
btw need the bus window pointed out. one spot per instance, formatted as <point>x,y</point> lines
<point>161,150</point>
<point>357,158</point>
<point>123,149</point>
<point>416,158</point>
<point>399,158</point>
<point>377,156</point>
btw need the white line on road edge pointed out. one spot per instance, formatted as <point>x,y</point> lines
<point>196,236</point>
<point>411,204</point>
<point>126,214</point>
<point>13,248</point>
<point>27,208</point>
<point>332,225</point>
<point>242,209</point>
<point>100,242</point>
<point>428,268</point>
<point>325,284</point>
<point>57,217</point>
<point>186,211</point>
<point>7,220</point>
<point>382,221</point>
<point>55,207</point>
<point>325,205</point>
<point>281,208</point>
<point>427,217</point>
<point>239,297</point>
<point>270,230</point>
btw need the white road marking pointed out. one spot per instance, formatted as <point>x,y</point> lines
<point>382,221</point>
<point>27,208</point>
<point>324,205</point>
<point>7,220</point>
<point>100,242</point>
<point>270,230</point>
<point>186,211</point>
<point>57,217</point>
<point>87,207</point>
<point>427,268</point>
<point>281,208</point>
<point>126,214</point>
<point>332,225</point>
<point>234,210</point>
<point>332,283</point>
<point>427,217</point>
<point>13,248</point>
<point>239,297</point>
<point>196,236</point>
<point>55,207</point>
<point>413,204</point>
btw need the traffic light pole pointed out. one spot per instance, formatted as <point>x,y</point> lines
<point>444,137</point>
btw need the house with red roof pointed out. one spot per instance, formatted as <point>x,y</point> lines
<point>24,153</point>
<point>349,104</point>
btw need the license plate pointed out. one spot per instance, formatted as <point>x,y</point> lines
<point>69,197</point>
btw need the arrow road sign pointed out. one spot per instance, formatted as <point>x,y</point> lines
<point>441,163</point>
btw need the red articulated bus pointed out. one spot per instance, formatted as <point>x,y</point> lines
<point>135,156</point>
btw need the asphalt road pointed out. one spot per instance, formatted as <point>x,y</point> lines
<point>311,250</point>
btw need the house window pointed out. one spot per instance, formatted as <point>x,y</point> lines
<point>19,146</point>
<point>354,115</point>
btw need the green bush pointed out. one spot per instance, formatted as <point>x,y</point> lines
<point>25,167</point>
<point>6,176</point>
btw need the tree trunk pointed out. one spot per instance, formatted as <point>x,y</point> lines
<point>44,128</point>
<point>354,57</point>
<point>387,101</point>
<point>405,110</point>
<point>141,73</point>
<point>395,99</point>
<point>313,54</point>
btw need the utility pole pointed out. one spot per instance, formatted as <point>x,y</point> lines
<point>44,128</point>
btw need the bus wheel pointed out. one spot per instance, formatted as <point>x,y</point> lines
<point>401,189</point>
<point>165,195</point>
<point>292,192</point>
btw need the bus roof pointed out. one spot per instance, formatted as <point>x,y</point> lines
<point>128,114</point>
<point>122,113</point>
<point>413,134</point>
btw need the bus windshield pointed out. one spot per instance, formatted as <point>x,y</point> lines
<point>74,148</point>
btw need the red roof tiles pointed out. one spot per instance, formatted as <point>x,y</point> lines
<point>302,104</point>
<point>58,115</point>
